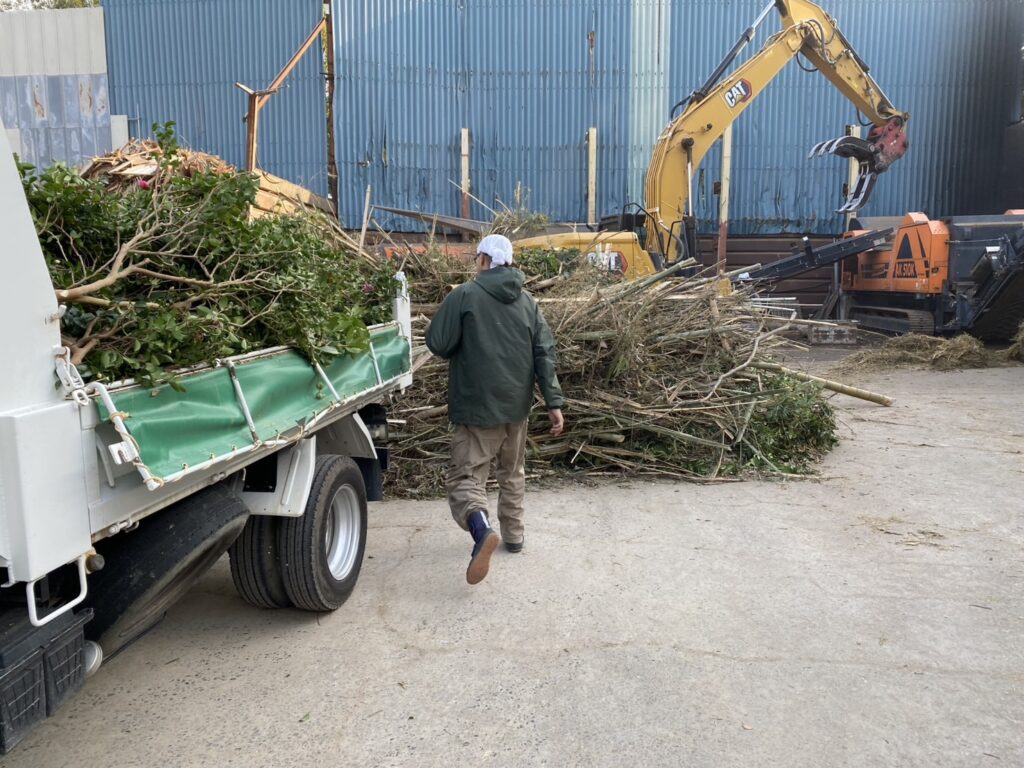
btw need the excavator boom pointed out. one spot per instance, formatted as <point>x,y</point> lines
<point>808,31</point>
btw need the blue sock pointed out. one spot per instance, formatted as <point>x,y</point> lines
<point>478,524</point>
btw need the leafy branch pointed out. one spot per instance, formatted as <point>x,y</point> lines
<point>171,271</point>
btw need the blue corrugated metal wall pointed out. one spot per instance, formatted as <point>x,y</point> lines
<point>175,60</point>
<point>396,104</point>
<point>528,77</point>
<point>412,74</point>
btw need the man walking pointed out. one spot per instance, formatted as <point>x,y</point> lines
<point>498,344</point>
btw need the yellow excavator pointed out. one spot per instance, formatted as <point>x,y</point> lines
<point>647,238</point>
<point>663,230</point>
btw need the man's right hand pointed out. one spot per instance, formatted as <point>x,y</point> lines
<point>557,421</point>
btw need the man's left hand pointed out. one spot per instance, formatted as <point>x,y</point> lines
<point>557,421</point>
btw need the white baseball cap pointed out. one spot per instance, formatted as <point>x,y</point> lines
<point>498,247</point>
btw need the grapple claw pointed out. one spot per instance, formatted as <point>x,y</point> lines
<point>884,145</point>
<point>817,150</point>
<point>861,191</point>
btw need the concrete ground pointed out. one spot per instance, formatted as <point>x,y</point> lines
<point>872,618</point>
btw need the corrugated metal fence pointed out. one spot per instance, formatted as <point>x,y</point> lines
<point>528,77</point>
<point>413,73</point>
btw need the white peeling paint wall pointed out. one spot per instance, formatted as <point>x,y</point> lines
<point>53,85</point>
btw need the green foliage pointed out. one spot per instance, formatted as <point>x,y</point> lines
<point>195,279</point>
<point>792,428</point>
<point>544,264</point>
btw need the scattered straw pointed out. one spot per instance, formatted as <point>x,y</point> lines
<point>918,351</point>
<point>1015,352</point>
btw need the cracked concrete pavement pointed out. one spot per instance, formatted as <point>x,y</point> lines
<point>874,617</point>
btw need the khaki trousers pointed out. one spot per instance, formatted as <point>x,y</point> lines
<point>473,450</point>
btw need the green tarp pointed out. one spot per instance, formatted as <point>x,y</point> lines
<point>176,430</point>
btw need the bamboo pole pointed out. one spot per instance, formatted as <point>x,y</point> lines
<point>835,386</point>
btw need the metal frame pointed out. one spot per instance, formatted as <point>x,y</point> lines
<point>30,596</point>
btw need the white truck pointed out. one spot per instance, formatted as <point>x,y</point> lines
<point>115,499</point>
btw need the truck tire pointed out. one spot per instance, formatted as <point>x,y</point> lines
<point>322,551</point>
<point>256,564</point>
<point>149,569</point>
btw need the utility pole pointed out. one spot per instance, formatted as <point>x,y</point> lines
<point>332,160</point>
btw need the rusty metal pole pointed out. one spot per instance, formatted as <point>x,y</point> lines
<point>252,120</point>
<point>257,99</point>
<point>253,133</point>
<point>852,172</point>
<point>332,160</point>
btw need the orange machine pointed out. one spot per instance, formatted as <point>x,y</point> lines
<point>964,273</point>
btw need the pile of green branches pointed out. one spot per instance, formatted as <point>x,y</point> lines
<point>660,377</point>
<point>173,272</point>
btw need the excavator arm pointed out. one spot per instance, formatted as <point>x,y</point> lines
<point>807,30</point>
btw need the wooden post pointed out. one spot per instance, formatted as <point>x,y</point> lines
<point>592,176</point>
<point>295,59</point>
<point>252,131</point>
<point>464,185</point>
<point>366,218</point>
<point>723,199</point>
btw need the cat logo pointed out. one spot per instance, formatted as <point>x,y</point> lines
<point>738,93</point>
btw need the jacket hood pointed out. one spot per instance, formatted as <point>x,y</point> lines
<point>503,283</point>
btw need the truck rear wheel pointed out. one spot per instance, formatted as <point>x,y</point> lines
<point>322,551</point>
<point>256,564</point>
<point>148,570</point>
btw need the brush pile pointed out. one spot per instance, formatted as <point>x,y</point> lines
<point>660,378</point>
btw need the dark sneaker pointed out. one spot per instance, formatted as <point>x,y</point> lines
<point>480,561</point>
<point>514,548</point>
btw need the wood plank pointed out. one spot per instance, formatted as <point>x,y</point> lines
<point>293,192</point>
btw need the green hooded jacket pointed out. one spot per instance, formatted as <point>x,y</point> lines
<point>497,344</point>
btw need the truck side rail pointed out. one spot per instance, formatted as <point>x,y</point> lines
<point>270,399</point>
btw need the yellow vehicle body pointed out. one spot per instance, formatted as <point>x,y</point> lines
<point>616,251</point>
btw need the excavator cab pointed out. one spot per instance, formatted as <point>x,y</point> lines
<point>633,218</point>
